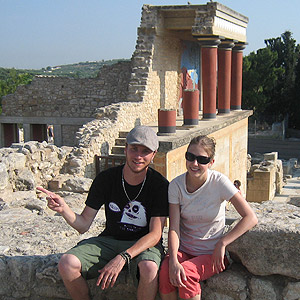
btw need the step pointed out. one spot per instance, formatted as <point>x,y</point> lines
<point>118,150</point>
<point>123,134</point>
<point>120,142</point>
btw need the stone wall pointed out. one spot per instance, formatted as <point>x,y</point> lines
<point>67,97</point>
<point>65,103</point>
<point>98,136</point>
<point>156,65</point>
<point>265,262</point>
<point>165,69</point>
<point>26,165</point>
<point>230,133</point>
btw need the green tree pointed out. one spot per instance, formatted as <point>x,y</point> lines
<point>260,75</point>
<point>294,116</point>
<point>12,81</point>
<point>271,81</point>
<point>282,97</point>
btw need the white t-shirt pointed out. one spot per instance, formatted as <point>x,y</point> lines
<point>202,213</point>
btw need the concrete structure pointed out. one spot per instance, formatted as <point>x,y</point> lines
<point>182,47</point>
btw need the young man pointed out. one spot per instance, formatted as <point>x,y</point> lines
<point>136,204</point>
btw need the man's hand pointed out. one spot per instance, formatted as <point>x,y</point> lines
<point>55,202</point>
<point>110,272</point>
<point>80,222</point>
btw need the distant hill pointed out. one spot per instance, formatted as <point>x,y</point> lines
<point>88,69</point>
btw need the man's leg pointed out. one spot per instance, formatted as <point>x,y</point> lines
<point>148,283</point>
<point>69,268</point>
<point>144,271</point>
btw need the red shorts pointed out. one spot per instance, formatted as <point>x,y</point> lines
<point>197,268</point>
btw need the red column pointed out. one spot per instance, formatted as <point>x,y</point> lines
<point>209,76</point>
<point>236,77</point>
<point>190,107</point>
<point>224,76</point>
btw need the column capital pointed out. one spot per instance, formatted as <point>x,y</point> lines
<point>239,46</point>
<point>227,44</point>
<point>208,40</point>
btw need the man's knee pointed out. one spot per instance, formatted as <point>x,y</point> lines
<point>69,264</point>
<point>148,269</point>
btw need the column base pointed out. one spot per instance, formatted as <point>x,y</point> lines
<point>209,116</point>
<point>190,122</point>
<point>223,111</point>
<point>236,107</point>
<point>166,130</point>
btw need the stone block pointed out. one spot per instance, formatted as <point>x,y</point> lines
<point>3,176</point>
<point>262,175</point>
<point>271,156</point>
<point>16,161</point>
<point>292,291</point>
<point>272,246</point>
<point>55,185</point>
<point>262,289</point>
<point>25,181</point>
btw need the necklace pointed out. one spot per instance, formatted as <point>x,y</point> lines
<point>123,184</point>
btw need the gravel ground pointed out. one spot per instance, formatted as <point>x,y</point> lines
<point>28,229</point>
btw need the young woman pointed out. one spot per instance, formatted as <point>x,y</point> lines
<point>197,242</point>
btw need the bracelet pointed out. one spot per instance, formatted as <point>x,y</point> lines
<point>126,256</point>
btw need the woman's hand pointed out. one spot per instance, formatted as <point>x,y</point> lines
<point>177,274</point>
<point>218,258</point>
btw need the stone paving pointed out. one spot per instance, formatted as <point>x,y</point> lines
<point>291,190</point>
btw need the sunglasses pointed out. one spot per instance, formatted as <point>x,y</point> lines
<point>203,160</point>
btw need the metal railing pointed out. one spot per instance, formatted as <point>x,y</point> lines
<point>104,162</point>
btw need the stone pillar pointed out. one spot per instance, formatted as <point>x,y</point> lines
<point>27,135</point>
<point>236,76</point>
<point>224,76</point>
<point>57,135</point>
<point>209,53</point>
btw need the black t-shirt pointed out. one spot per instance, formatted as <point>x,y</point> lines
<point>128,220</point>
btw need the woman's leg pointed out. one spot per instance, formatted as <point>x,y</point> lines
<point>196,269</point>
<point>166,289</point>
<point>170,296</point>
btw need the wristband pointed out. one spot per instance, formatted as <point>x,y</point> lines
<point>126,256</point>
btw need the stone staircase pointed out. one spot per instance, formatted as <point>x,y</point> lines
<point>117,156</point>
<point>118,148</point>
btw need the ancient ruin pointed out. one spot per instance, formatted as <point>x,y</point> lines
<point>181,53</point>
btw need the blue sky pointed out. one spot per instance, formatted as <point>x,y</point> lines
<point>40,33</point>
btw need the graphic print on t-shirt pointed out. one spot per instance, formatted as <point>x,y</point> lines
<point>133,215</point>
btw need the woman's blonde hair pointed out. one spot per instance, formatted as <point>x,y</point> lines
<point>209,144</point>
